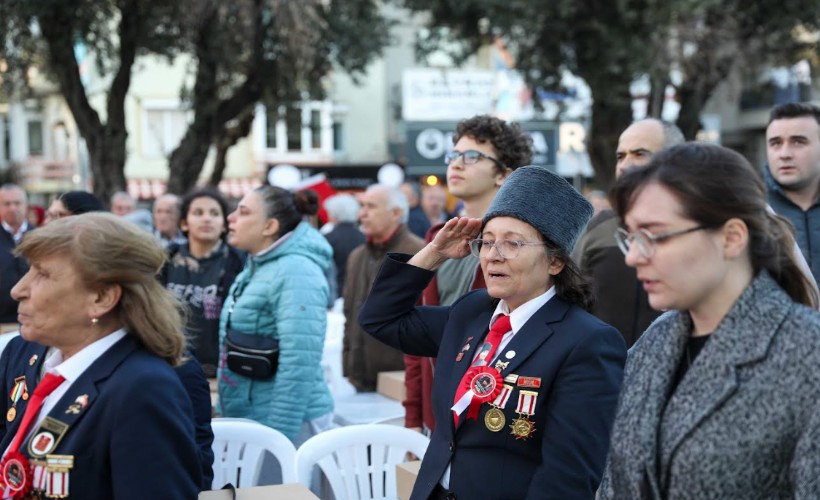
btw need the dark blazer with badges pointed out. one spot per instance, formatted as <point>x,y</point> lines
<point>133,439</point>
<point>579,361</point>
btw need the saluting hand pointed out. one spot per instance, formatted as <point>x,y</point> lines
<point>451,242</point>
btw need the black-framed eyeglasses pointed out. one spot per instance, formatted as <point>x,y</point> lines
<point>507,249</point>
<point>469,157</point>
<point>646,241</point>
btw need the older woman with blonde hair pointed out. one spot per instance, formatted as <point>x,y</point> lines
<point>95,409</point>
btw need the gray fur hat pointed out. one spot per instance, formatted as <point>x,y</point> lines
<point>545,201</point>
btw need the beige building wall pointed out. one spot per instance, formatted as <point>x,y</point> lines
<point>364,113</point>
<point>155,90</point>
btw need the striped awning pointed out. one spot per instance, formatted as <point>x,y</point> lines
<point>149,189</point>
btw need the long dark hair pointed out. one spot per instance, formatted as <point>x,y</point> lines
<point>570,284</point>
<point>714,184</point>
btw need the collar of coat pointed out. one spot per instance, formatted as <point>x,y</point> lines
<point>742,336</point>
<point>388,243</point>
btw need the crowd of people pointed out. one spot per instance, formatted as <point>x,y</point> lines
<point>657,341</point>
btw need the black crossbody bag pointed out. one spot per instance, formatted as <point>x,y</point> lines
<point>253,356</point>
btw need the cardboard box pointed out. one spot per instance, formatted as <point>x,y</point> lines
<point>280,491</point>
<point>391,384</point>
<point>406,474</point>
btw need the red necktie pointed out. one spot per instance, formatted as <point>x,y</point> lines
<point>500,327</point>
<point>46,386</point>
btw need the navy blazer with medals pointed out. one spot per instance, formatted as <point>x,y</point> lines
<point>130,424</point>
<point>578,359</point>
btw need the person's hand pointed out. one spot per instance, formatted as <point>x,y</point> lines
<point>451,242</point>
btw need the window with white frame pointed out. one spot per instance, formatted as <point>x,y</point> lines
<point>164,123</point>
<point>300,128</point>
<point>35,137</point>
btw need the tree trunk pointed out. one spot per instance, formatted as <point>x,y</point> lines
<point>106,142</point>
<point>186,161</point>
<point>657,97</point>
<point>611,114</point>
<point>188,158</point>
<point>703,71</point>
<point>226,140</point>
<point>219,165</point>
<point>691,102</point>
<point>211,113</point>
<point>106,154</point>
<point>693,95</point>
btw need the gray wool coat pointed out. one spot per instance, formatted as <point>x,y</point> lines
<point>743,423</point>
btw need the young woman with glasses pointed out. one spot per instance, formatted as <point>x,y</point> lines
<point>522,411</point>
<point>721,394</point>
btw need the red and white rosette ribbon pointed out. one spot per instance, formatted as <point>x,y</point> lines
<point>15,475</point>
<point>483,386</point>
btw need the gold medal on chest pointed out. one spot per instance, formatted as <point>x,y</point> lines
<point>494,419</point>
<point>522,428</point>
<point>11,414</point>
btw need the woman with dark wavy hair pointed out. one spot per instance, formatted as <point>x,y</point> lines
<point>529,404</point>
<point>721,394</point>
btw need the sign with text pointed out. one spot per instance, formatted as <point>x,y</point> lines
<point>428,142</point>
<point>430,94</point>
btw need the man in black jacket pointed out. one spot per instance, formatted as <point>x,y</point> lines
<point>13,207</point>
<point>619,297</point>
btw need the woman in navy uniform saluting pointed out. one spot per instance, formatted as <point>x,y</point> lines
<point>530,416</point>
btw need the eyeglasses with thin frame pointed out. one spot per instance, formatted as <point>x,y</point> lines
<point>646,241</point>
<point>469,157</point>
<point>507,249</point>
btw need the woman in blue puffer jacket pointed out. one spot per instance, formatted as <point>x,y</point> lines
<point>281,294</point>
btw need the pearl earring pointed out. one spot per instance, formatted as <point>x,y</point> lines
<point>94,321</point>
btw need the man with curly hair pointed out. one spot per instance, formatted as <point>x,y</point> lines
<point>486,150</point>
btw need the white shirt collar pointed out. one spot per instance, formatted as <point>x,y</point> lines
<point>73,367</point>
<point>525,311</point>
<point>16,235</point>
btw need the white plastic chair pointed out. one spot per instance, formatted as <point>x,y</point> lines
<point>332,354</point>
<point>239,448</point>
<point>359,461</point>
